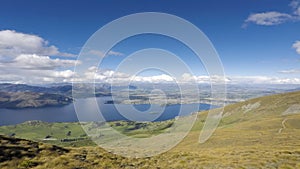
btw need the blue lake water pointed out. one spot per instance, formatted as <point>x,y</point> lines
<point>111,112</point>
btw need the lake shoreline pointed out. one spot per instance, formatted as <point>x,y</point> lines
<point>88,112</point>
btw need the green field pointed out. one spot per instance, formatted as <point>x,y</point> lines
<point>72,134</point>
<point>258,133</point>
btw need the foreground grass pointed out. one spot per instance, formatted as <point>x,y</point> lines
<point>41,155</point>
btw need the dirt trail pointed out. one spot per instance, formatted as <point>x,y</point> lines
<point>283,125</point>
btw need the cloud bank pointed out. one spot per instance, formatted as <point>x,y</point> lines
<point>27,58</point>
<point>109,76</point>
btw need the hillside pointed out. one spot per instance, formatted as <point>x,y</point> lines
<point>31,100</point>
<point>60,89</point>
<point>259,133</point>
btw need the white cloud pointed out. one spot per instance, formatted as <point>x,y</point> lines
<point>111,76</point>
<point>188,78</point>
<point>27,68</point>
<point>36,76</point>
<point>26,58</point>
<point>102,54</point>
<point>153,79</point>
<point>13,44</point>
<point>296,46</point>
<point>287,81</point>
<point>107,76</point>
<point>263,80</point>
<point>268,18</point>
<point>33,61</point>
<point>114,53</point>
<point>291,71</point>
<point>273,17</point>
<point>295,4</point>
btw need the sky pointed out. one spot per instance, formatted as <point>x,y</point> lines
<point>258,41</point>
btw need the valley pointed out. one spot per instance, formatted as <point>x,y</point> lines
<point>247,137</point>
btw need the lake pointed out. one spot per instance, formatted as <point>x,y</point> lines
<point>110,112</point>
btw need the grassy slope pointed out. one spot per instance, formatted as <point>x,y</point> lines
<point>251,138</point>
<point>252,134</point>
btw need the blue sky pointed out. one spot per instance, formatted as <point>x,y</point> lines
<point>253,38</point>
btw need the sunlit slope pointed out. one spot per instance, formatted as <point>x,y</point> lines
<point>261,132</point>
<point>275,116</point>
